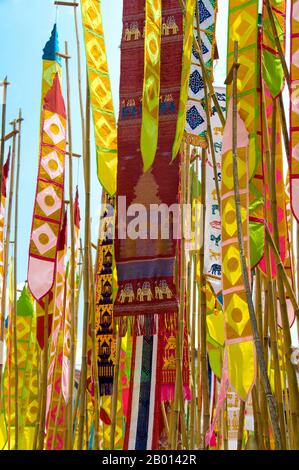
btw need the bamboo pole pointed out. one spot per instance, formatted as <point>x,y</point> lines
<point>292,380</point>
<point>16,283</point>
<point>72,274</point>
<point>257,341</point>
<point>86,275</point>
<point>44,376</point>
<point>37,424</point>
<point>203,308</point>
<point>6,247</point>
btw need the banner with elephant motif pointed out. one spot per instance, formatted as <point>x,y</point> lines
<point>212,255</point>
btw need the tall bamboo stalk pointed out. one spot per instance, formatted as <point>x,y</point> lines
<point>257,341</point>
<point>16,283</point>
<point>86,275</point>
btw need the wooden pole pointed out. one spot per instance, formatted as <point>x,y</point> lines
<point>86,275</point>
<point>16,283</point>
<point>257,341</point>
<point>72,274</point>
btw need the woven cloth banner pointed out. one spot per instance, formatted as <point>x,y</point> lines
<point>145,263</point>
<point>196,122</point>
<point>239,341</point>
<point>100,94</point>
<point>294,109</point>
<point>50,185</point>
<point>212,256</point>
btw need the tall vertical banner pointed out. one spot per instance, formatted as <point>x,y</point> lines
<point>48,207</point>
<point>100,95</point>
<point>212,255</point>
<point>294,108</point>
<point>5,172</point>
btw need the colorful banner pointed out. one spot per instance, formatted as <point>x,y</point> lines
<point>100,94</point>
<point>25,342</point>
<point>196,122</point>
<point>239,342</point>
